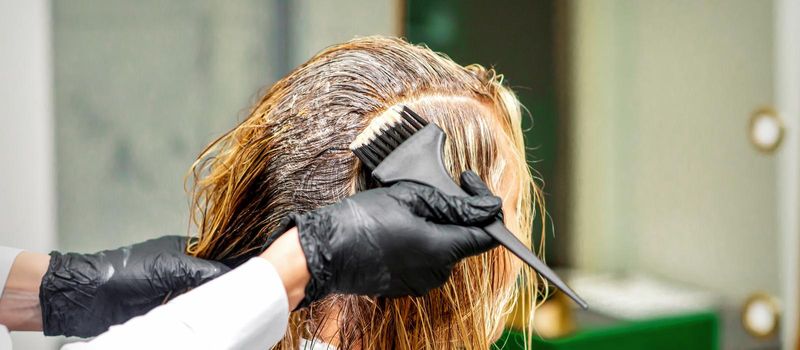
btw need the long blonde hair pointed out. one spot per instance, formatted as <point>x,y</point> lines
<point>291,154</point>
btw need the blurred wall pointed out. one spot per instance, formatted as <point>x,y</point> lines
<point>141,87</point>
<point>316,24</point>
<point>26,180</point>
<point>27,191</point>
<point>665,179</point>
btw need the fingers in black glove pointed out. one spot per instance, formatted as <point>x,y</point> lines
<point>467,241</point>
<point>84,294</point>
<point>393,241</point>
<point>430,203</point>
<point>179,272</point>
<point>472,184</point>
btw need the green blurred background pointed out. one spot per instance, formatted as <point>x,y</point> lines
<point>518,39</point>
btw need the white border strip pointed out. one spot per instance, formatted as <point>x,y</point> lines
<point>787,94</point>
<point>27,166</point>
<point>27,179</point>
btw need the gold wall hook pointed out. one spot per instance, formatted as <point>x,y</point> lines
<point>761,315</point>
<point>765,130</point>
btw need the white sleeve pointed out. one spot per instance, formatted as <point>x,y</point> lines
<point>244,309</point>
<point>7,256</point>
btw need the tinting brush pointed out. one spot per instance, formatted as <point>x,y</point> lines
<point>401,146</point>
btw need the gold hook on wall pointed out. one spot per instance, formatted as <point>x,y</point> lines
<point>766,130</point>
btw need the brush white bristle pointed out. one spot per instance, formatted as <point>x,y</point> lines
<point>378,125</point>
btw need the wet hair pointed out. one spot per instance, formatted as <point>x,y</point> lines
<point>291,154</point>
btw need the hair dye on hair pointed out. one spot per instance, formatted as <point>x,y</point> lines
<point>291,154</point>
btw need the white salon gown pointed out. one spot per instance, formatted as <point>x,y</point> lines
<point>244,309</point>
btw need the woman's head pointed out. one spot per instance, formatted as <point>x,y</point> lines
<point>291,154</point>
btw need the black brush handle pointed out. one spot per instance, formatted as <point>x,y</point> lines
<point>419,159</point>
<point>513,244</point>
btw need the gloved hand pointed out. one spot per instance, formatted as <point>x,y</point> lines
<point>84,294</point>
<point>393,241</point>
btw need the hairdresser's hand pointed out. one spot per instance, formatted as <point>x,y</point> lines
<point>83,294</point>
<point>393,241</point>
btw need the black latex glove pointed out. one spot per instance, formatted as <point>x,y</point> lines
<point>393,241</point>
<point>84,294</point>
